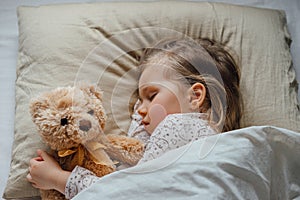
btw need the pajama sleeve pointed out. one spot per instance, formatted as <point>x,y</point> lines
<point>79,179</point>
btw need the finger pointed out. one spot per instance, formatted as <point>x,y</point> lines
<point>43,154</point>
<point>34,185</point>
<point>34,161</point>
<point>38,159</point>
<point>39,152</point>
<point>29,178</point>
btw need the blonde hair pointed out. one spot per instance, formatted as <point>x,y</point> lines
<point>207,62</point>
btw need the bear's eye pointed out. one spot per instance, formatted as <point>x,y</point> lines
<point>91,112</point>
<point>64,121</point>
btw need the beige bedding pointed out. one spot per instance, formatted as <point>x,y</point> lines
<point>100,42</point>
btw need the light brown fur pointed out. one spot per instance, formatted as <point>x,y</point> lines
<point>73,118</point>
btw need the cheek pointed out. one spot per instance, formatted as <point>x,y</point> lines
<point>169,102</point>
<point>157,113</point>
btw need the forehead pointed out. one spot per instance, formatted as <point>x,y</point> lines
<point>155,75</point>
<point>152,73</point>
<point>153,78</point>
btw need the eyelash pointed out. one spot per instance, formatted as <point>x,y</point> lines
<point>151,97</point>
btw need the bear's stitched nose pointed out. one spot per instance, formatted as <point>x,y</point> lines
<point>85,125</point>
<point>64,121</point>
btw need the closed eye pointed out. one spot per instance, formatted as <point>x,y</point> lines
<point>148,93</point>
<point>152,96</point>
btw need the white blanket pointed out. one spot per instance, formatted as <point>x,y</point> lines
<point>251,163</point>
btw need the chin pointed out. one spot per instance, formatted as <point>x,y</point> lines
<point>149,129</point>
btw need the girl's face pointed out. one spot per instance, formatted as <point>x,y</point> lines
<point>160,97</point>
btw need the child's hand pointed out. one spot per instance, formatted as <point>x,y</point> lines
<point>45,173</point>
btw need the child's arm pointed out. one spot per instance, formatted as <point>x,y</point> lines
<point>79,180</point>
<point>45,173</point>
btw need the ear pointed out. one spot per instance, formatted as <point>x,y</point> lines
<point>37,105</point>
<point>96,91</point>
<point>197,94</point>
<point>91,90</point>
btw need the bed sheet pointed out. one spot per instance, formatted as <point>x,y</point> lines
<point>9,48</point>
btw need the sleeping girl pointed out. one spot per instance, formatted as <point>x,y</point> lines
<point>187,90</point>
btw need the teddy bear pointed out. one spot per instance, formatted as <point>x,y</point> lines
<point>71,120</point>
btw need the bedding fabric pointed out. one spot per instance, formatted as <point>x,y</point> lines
<point>99,42</point>
<point>252,163</point>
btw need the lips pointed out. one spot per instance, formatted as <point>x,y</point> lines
<point>145,123</point>
<point>147,127</point>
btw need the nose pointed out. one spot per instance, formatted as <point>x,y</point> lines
<point>85,125</point>
<point>142,110</point>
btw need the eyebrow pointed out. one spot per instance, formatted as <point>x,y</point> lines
<point>144,89</point>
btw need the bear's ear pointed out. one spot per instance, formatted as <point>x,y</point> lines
<point>91,90</point>
<point>37,105</point>
<point>96,91</point>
